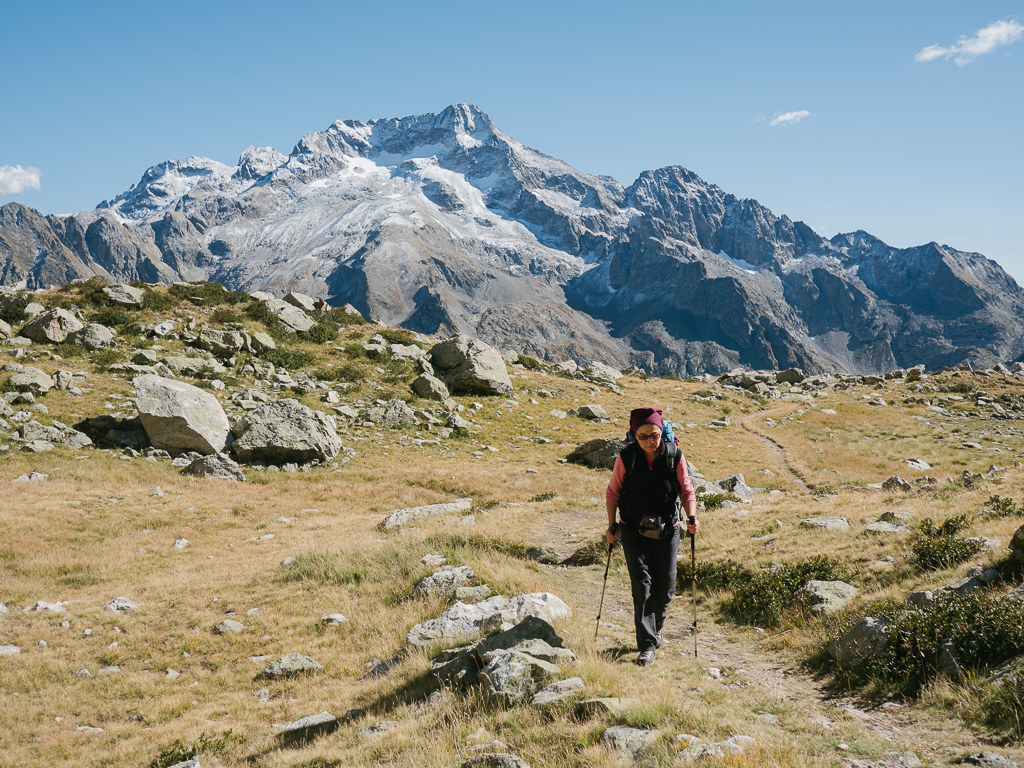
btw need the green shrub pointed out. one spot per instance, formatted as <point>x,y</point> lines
<point>530,363</point>
<point>937,547</point>
<point>544,496</point>
<point>224,315</point>
<point>12,311</point>
<point>179,752</point>
<point>289,359</point>
<point>156,301</point>
<point>90,292</point>
<point>764,598</point>
<point>996,507</point>
<point>114,317</point>
<point>206,294</point>
<point>398,370</point>
<point>349,373</point>
<point>397,336</point>
<point>105,358</point>
<point>984,629</point>
<point>355,351</point>
<point>339,317</point>
<point>6,386</point>
<point>320,333</point>
<point>714,576</point>
<point>962,388</point>
<point>716,500</point>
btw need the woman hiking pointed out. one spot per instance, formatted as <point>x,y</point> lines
<point>648,476</point>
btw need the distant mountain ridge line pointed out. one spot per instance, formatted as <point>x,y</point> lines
<point>442,223</point>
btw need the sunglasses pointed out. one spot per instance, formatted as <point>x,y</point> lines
<point>649,438</point>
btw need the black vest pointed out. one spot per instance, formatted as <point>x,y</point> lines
<point>649,490</point>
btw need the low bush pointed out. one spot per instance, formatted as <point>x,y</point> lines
<point>340,318</point>
<point>767,596</point>
<point>206,294</point>
<point>289,359</point>
<point>105,358</point>
<point>984,629</point>
<point>12,311</point>
<point>961,388</point>
<point>225,315</point>
<point>156,301</point>
<point>937,547</point>
<point>114,317</point>
<point>544,496</point>
<point>716,500</point>
<point>530,363</point>
<point>350,373</point>
<point>179,752</point>
<point>397,336</point>
<point>997,506</point>
<point>714,576</point>
<point>400,371</point>
<point>320,333</point>
<point>355,351</point>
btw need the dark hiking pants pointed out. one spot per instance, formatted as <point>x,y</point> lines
<point>652,575</point>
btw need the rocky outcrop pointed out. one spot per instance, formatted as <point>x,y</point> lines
<point>471,367</point>
<point>178,417</point>
<point>52,326</point>
<point>286,431</point>
<point>93,337</point>
<point>599,453</point>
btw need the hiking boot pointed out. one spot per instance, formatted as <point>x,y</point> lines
<point>646,658</point>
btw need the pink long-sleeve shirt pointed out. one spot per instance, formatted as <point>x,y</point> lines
<point>686,493</point>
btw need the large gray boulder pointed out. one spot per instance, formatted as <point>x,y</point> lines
<point>224,343</point>
<point>471,367</point>
<point>599,453</point>
<point>302,301</point>
<point>464,622</point>
<point>5,331</point>
<point>33,380</point>
<point>286,431</point>
<point>393,413</point>
<point>291,664</point>
<point>826,523</point>
<point>736,485</point>
<point>293,318</point>
<point>863,639</point>
<point>825,597</point>
<point>52,326</point>
<point>125,295</point>
<point>216,465</point>
<point>444,581</point>
<point>93,336</point>
<point>628,743</point>
<point>178,417</point>
<point>401,517</point>
<point>430,388</point>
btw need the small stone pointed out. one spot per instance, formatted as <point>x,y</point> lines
<point>172,674</point>
<point>307,728</point>
<point>333,620</point>
<point>105,671</point>
<point>9,650</point>
<point>83,672</point>
<point>292,664</point>
<point>181,543</point>
<point>229,627</point>
<point>121,605</point>
<point>378,729</point>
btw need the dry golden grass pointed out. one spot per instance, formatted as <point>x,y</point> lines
<point>93,532</point>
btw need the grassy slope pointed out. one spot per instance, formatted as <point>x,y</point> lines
<point>94,532</point>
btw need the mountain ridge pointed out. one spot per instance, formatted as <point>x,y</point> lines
<point>442,223</point>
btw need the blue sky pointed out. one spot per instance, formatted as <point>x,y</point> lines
<point>912,130</point>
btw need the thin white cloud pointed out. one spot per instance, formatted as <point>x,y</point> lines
<point>790,118</point>
<point>967,49</point>
<point>14,179</point>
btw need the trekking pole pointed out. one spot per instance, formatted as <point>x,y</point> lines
<point>605,587</point>
<point>693,580</point>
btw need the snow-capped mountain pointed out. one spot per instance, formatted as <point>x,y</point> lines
<point>441,222</point>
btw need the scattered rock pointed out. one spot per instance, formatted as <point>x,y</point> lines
<point>216,465</point>
<point>92,337</point>
<point>463,622</point>
<point>557,691</point>
<point>471,367</point>
<point>178,417</point>
<point>897,484</point>
<point>593,413</point>
<point>31,477</point>
<point>37,446</point>
<point>286,431</point>
<point>599,453</point>
<point>393,413</point>
<point>121,605</point>
<point>291,664</point>
<point>306,728</point>
<point>605,706</point>
<point>736,485</point>
<point>52,326</point>
<point>430,388</point>
<point>33,380</point>
<point>826,523</point>
<point>293,318</point>
<point>627,742</point>
<point>378,729</point>
<point>402,517</point>
<point>333,620</point>
<point>125,295</point>
<point>827,597</point>
<point>495,760</point>
<point>892,760</point>
<point>9,650</point>
<point>229,627</point>
<point>989,760</point>
<point>730,748</point>
<point>181,543</point>
<point>917,464</point>
<point>861,641</point>
<point>472,594</point>
<point>444,581</point>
